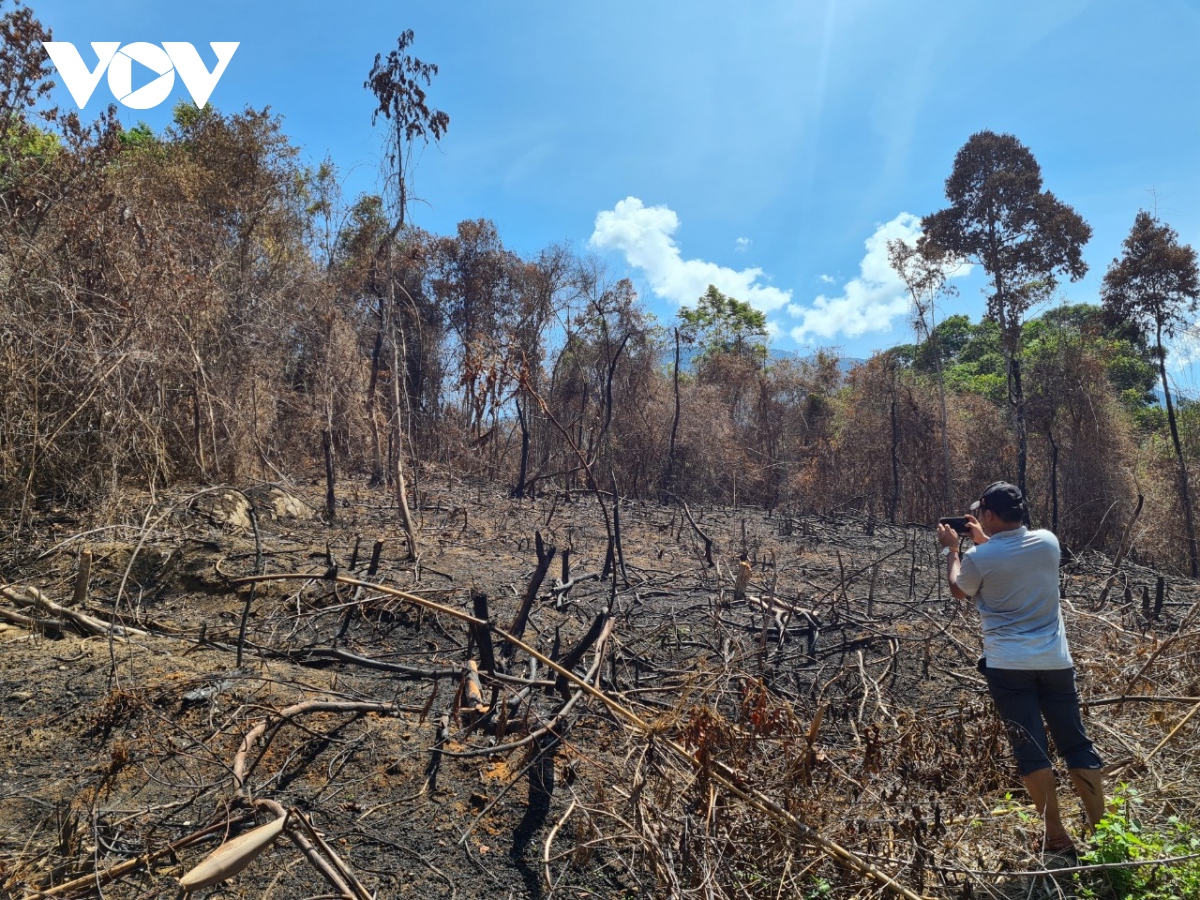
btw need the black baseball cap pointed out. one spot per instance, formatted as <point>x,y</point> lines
<point>1000,497</point>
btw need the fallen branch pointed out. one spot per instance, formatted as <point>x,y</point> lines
<point>97,880</point>
<point>316,654</point>
<point>1191,712</point>
<point>240,766</point>
<point>1159,651</point>
<point>31,624</point>
<point>708,544</point>
<point>718,772</point>
<point>336,866</point>
<point>550,842</point>
<point>31,597</point>
<point>300,838</point>
<point>564,587</point>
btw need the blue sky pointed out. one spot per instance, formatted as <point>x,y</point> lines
<point>770,150</point>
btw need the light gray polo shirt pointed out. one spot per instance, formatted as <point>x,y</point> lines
<point>1014,580</point>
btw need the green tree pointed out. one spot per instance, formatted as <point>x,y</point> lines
<point>720,324</point>
<point>1023,236</point>
<point>1152,285</point>
<point>730,360</point>
<point>978,365</point>
<point>941,347</point>
<point>1129,362</point>
<point>139,137</point>
<point>973,360</point>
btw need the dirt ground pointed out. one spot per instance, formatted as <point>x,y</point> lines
<point>830,702</point>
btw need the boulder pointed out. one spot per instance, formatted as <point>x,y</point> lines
<point>226,508</point>
<point>276,504</point>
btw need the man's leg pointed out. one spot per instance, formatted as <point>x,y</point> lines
<point>1043,791</point>
<point>1089,785</point>
<point>1015,693</point>
<point>1060,705</point>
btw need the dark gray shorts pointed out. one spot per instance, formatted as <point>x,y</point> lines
<point>1023,698</point>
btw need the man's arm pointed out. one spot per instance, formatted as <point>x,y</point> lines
<point>948,538</point>
<point>953,567</point>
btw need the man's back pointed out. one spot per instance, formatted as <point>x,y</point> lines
<point>1014,580</point>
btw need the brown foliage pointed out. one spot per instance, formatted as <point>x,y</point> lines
<point>198,305</point>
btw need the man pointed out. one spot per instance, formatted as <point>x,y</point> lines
<point>1012,572</point>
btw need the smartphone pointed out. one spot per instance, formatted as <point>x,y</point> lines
<point>958,523</point>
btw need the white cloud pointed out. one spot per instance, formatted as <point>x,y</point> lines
<point>644,235</point>
<point>870,302</point>
<point>742,244</point>
<point>825,279</point>
<point>1184,351</point>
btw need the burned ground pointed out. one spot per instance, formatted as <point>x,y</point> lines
<point>812,729</point>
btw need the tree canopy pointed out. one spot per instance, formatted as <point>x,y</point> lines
<point>204,306</point>
<point>1000,217</point>
<point>1024,237</point>
<point>720,324</point>
<point>1150,287</point>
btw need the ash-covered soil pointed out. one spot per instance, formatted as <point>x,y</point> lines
<point>835,689</point>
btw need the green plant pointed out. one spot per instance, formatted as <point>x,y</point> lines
<point>1121,838</point>
<point>1017,808</point>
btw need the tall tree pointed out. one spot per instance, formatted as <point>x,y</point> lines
<point>398,82</point>
<point>723,325</point>
<point>1153,283</point>
<point>924,268</point>
<point>546,289</point>
<point>1023,237</point>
